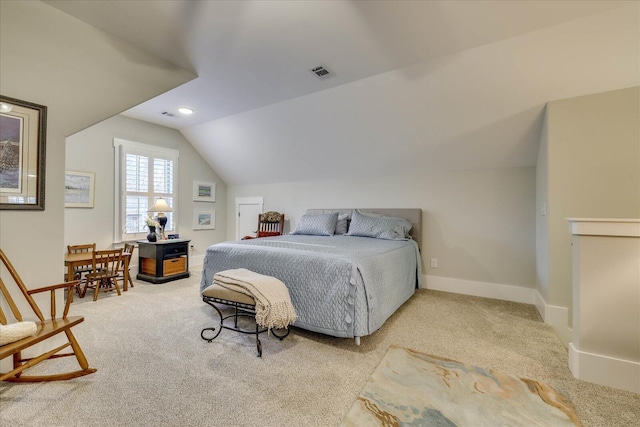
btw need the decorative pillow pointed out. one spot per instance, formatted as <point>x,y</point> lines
<point>317,225</point>
<point>342,224</point>
<point>380,227</point>
<point>16,331</point>
<point>271,216</point>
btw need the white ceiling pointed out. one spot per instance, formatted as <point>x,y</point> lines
<point>253,54</point>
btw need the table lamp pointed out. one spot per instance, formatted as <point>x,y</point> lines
<point>161,206</point>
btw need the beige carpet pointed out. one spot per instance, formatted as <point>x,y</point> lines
<point>154,369</point>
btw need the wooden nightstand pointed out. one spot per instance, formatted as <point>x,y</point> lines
<point>163,261</point>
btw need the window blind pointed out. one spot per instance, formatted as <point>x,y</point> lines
<point>145,172</point>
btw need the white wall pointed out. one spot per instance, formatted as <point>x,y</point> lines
<point>83,225</point>
<point>542,227</point>
<point>478,223</point>
<point>591,170</point>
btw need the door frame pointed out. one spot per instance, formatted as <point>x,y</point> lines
<point>246,201</point>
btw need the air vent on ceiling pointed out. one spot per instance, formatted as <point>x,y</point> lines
<point>322,72</point>
<point>168,114</point>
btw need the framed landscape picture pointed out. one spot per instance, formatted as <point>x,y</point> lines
<point>79,189</point>
<point>204,219</point>
<point>204,191</point>
<point>22,154</point>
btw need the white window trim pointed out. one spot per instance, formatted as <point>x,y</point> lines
<point>118,227</point>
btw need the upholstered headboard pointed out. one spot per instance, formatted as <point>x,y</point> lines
<point>414,216</point>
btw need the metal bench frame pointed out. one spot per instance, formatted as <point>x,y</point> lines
<point>240,310</point>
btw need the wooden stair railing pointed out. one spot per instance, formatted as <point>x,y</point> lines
<point>46,328</point>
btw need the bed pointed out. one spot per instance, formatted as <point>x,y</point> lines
<point>341,285</point>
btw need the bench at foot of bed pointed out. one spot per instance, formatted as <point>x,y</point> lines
<point>243,305</point>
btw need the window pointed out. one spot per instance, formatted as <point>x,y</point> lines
<point>145,173</point>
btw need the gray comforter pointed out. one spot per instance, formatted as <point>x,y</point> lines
<point>342,286</point>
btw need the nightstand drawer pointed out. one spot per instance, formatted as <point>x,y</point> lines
<point>175,251</point>
<point>175,266</point>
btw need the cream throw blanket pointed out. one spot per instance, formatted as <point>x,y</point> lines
<point>273,304</point>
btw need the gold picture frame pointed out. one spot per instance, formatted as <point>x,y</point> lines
<point>22,154</point>
<point>79,189</point>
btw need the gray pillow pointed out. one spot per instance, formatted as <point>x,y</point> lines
<point>379,227</point>
<point>342,224</point>
<point>317,225</point>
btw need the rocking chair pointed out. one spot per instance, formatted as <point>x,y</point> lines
<point>45,328</point>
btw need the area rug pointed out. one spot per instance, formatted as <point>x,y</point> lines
<point>417,389</point>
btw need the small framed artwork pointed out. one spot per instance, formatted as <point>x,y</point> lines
<point>79,189</point>
<point>22,154</point>
<point>204,220</point>
<point>204,191</point>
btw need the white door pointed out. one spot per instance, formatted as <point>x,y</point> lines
<point>247,211</point>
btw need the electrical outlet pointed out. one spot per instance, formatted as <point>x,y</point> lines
<point>434,262</point>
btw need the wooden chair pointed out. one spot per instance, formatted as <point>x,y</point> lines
<point>46,328</point>
<point>83,269</point>
<point>104,276</point>
<point>269,224</point>
<point>128,249</point>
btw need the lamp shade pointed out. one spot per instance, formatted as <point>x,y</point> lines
<point>160,206</point>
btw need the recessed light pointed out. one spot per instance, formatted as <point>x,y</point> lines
<point>5,108</point>
<point>185,110</point>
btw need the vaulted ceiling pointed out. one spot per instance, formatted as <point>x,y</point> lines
<point>414,84</point>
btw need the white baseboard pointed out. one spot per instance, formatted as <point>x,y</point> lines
<point>604,370</point>
<point>480,289</point>
<point>556,316</point>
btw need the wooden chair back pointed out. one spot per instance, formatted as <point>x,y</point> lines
<point>270,224</point>
<point>46,328</point>
<point>106,265</point>
<point>89,247</point>
<point>79,270</point>
<point>128,249</point>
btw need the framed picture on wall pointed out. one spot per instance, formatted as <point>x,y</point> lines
<point>204,219</point>
<point>79,189</point>
<point>22,154</point>
<point>204,191</point>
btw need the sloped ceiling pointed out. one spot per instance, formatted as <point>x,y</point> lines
<point>417,85</point>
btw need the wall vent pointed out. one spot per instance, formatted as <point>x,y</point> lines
<point>322,72</point>
<point>168,114</point>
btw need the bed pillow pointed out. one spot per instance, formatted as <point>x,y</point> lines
<point>379,227</point>
<point>317,225</point>
<point>342,225</point>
